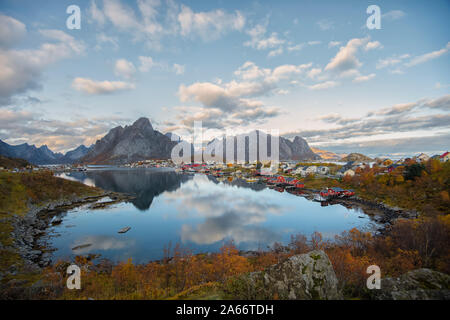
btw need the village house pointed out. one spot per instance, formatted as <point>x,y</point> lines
<point>323,170</point>
<point>444,157</point>
<point>346,172</point>
<point>422,157</point>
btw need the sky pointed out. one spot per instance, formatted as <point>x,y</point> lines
<point>307,68</point>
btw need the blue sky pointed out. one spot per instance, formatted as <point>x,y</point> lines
<point>308,68</point>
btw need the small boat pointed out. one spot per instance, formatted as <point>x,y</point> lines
<point>123,230</point>
<point>82,246</point>
<point>252,180</point>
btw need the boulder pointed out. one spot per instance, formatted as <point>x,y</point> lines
<point>420,284</point>
<point>301,277</point>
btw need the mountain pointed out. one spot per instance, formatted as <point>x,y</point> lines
<point>326,155</point>
<point>357,157</point>
<point>297,149</point>
<point>75,154</point>
<point>41,155</point>
<point>130,144</point>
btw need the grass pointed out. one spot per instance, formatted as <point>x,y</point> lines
<point>20,191</point>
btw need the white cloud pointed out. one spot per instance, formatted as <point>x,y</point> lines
<point>146,63</point>
<point>393,15</point>
<point>373,45</point>
<point>284,72</point>
<point>332,44</point>
<point>297,47</point>
<point>428,56</point>
<point>314,72</point>
<point>250,71</point>
<point>100,87</point>
<point>11,31</point>
<point>96,14</point>
<point>323,85</point>
<point>314,42</point>
<point>179,69</point>
<point>22,69</point>
<point>275,52</point>
<point>346,58</point>
<point>391,61</point>
<point>325,24</point>
<point>364,78</point>
<point>209,25</point>
<point>152,21</point>
<point>103,38</point>
<point>124,68</point>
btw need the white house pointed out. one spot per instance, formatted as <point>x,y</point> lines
<point>323,170</point>
<point>422,157</point>
<point>311,170</point>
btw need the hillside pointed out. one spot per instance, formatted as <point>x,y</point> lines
<point>11,163</point>
<point>326,155</point>
<point>357,157</point>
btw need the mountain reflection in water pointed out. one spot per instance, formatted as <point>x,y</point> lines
<point>198,211</point>
<point>144,184</point>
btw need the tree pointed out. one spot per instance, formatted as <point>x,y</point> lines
<point>413,171</point>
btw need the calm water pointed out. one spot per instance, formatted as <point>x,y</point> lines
<point>197,211</point>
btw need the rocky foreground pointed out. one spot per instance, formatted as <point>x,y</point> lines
<point>311,276</point>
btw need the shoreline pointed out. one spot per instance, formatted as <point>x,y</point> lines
<point>29,231</point>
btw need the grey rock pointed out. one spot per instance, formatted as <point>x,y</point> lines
<point>420,284</point>
<point>301,277</point>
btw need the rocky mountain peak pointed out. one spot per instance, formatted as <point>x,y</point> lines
<point>143,124</point>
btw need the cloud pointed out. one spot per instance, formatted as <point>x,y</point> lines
<point>179,69</point>
<point>373,45</point>
<point>100,87</point>
<point>250,71</point>
<point>397,147</point>
<point>209,25</point>
<point>393,15</point>
<point>12,31</point>
<point>346,59</point>
<point>260,41</point>
<point>22,69</point>
<point>323,85</point>
<point>124,68</point>
<point>96,14</point>
<point>364,78</point>
<point>332,44</point>
<point>391,61</point>
<point>325,24</point>
<point>428,56</point>
<point>152,21</point>
<point>276,52</point>
<point>407,119</point>
<point>18,126</point>
<point>104,39</point>
<point>314,72</point>
<point>146,63</point>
